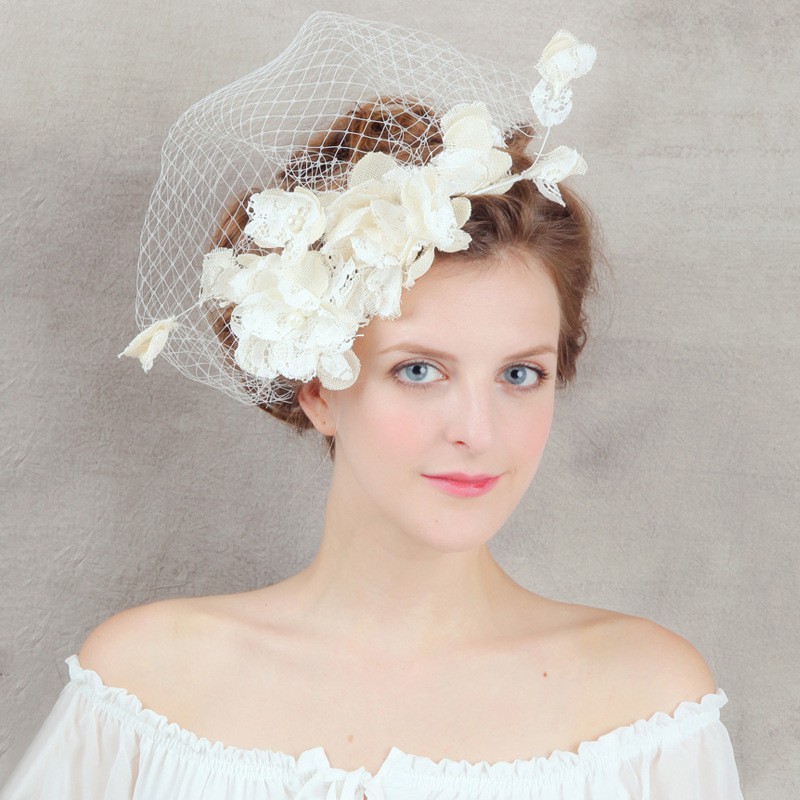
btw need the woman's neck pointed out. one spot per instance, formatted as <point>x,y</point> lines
<point>376,587</point>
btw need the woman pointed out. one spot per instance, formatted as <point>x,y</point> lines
<point>403,662</point>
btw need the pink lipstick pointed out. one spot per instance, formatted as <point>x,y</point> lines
<point>463,485</point>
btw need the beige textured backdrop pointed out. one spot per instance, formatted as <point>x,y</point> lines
<point>669,488</point>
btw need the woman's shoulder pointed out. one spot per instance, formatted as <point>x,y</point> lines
<point>645,666</point>
<point>651,649</point>
<point>160,642</point>
<point>612,632</point>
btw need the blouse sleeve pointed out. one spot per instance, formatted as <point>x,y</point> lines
<point>696,764</point>
<point>76,754</point>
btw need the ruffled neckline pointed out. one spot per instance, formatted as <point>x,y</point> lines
<point>608,749</point>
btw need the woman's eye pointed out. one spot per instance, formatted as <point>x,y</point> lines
<point>522,375</point>
<point>418,372</point>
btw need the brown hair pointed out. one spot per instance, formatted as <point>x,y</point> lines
<point>522,221</point>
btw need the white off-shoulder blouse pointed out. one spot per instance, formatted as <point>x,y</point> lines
<point>100,742</point>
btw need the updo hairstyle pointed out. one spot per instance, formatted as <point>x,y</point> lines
<point>522,221</point>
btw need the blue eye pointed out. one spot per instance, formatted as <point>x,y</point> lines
<point>417,372</point>
<point>523,375</point>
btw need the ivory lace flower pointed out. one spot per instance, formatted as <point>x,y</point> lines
<point>388,221</point>
<point>292,220</point>
<point>470,159</point>
<point>563,60</point>
<point>150,342</point>
<point>286,325</point>
<point>220,266</point>
<point>554,167</point>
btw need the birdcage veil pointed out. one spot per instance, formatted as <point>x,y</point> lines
<point>281,127</point>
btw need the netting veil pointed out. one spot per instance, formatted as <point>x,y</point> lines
<point>297,202</point>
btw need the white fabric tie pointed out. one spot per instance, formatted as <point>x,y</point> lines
<point>356,785</point>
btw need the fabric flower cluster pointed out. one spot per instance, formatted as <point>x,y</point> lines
<point>347,255</point>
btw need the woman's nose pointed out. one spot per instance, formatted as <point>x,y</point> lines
<point>471,416</point>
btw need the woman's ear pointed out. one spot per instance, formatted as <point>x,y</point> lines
<point>313,399</point>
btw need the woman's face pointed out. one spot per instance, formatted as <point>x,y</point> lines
<point>456,384</point>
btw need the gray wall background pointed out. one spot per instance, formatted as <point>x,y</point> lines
<point>669,488</point>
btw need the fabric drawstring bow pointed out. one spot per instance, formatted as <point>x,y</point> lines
<point>340,784</point>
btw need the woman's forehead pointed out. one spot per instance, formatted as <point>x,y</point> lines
<point>509,305</point>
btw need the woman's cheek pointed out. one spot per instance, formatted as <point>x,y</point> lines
<point>537,437</point>
<point>398,424</point>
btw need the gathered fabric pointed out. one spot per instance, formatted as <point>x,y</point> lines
<point>100,742</point>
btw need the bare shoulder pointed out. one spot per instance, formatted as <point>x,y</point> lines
<point>139,647</point>
<point>651,668</point>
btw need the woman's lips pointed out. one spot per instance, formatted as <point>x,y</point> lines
<point>458,483</point>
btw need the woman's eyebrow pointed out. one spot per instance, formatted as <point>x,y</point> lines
<point>412,347</point>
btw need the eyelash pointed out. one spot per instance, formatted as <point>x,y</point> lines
<point>541,371</point>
